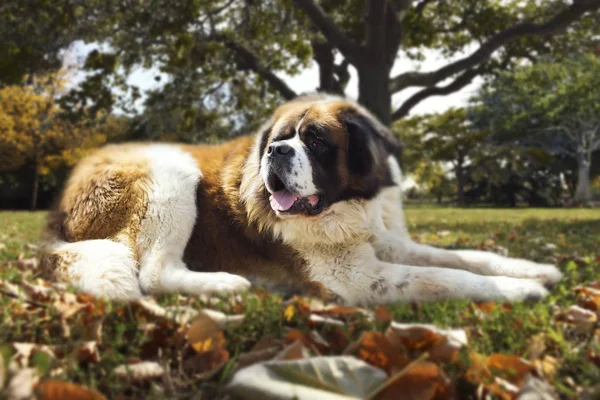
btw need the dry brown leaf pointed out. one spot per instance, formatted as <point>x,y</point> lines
<point>204,333</point>
<point>22,383</point>
<point>589,298</point>
<point>24,351</point>
<point>578,316</point>
<point>547,367</point>
<point>57,390</point>
<point>142,371</point>
<point>206,338</point>
<point>40,290</point>
<point>88,352</point>
<point>223,320</point>
<point>376,349</point>
<point>301,305</point>
<point>423,381</point>
<point>382,314</point>
<point>293,335</point>
<point>265,349</point>
<point>537,389</point>
<point>501,374</point>
<point>294,351</point>
<point>536,346</point>
<point>67,305</point>
<point>27,264</point>
<point>315,319</point>
<point>12,289</point>
<point>441,344</point>
<point>254,357</point>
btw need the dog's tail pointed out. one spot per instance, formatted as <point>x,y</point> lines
<point>102,268</point>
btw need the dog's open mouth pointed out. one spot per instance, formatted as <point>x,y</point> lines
<point>285,201</point>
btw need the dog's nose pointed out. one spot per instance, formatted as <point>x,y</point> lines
<point>280,149</point>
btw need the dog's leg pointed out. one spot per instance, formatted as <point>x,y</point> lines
<point>398,248</point>
<point>361,278</point>
<point>167,226</point>
<point>393,244</point>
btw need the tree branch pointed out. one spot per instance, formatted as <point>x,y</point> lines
<point>552,26</point>
<point>376,18</point>
<point>254,63</point>
<point>394,28</point>
<point>349,49</point>
<point>461,81</point>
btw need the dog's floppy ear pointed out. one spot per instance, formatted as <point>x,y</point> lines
<point>369,141</point>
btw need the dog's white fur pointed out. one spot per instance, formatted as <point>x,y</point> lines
<point>359,249</point>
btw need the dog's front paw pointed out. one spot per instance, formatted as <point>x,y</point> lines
<point>518,289</point>
<point>225,283</point>
<point>547,274</point>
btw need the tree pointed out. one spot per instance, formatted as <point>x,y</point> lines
<point>225,54</point>
<point>35,134</point>
<point>552,105</point>
<point>34,34</point>
<point>450,139</point>
<point>445,138</point>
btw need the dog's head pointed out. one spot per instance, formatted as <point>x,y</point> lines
<point>320,150</point>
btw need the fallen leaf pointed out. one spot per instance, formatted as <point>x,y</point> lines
<point>88,352</point>
<point>323,378</point>
<point>376,349</point>
<point>27,264</point>
<point>578,316</point>
<point>142,371</point>
<point>206,338</point>
<point>294,351</point>
<point>57,390</point>
<point>22,383</point>
<point>319,320</point>
<point>24,353</point>
<point>223,320</point>
<point>312,341</point>
<point>536,346</point>
<point>289,312</point>
<point>500,374</point>
<point>441,344</point>
<point>547,366</point>
<point>537,389</point>
<point>423,380</point>
<point>382,314</point>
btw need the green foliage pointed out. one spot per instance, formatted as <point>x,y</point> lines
<point>552,105</point>
<point>34,33</point>
<point>543,104</point>
<point>222,60</point>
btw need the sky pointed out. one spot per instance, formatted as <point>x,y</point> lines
<point>308,80</point>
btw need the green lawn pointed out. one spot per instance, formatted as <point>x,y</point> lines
<point>567,237</point>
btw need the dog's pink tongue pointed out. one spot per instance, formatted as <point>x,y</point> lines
<point>282,200</point>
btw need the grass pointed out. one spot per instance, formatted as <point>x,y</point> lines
<point>569,238</point>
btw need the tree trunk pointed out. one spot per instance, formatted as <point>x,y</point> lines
<point>460,182</point>
<point>583,192</point>
<point>36,174</point>
<point>323,55</point>
<point>35,186</point>
<point>374,91</point>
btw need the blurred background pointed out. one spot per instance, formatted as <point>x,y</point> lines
<point>497,102</point>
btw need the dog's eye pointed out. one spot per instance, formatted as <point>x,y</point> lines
<point>314,141</point>
<point>315,144</point>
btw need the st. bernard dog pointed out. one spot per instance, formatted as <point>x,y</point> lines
<point>312,201</point>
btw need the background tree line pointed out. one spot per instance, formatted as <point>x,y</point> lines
<point>220,66</point>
